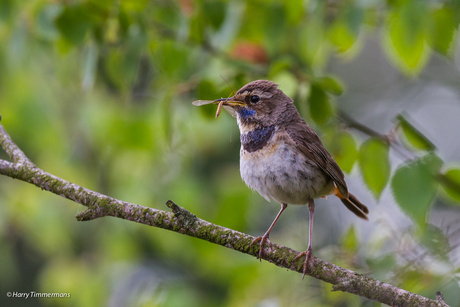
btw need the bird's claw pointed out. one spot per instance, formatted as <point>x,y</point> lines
<point>261,245</point>
<point>308,256</point>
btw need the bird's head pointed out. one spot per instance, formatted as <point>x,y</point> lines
<point>259,104</point>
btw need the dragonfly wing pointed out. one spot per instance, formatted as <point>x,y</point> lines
<point>230,110</point>
<point>202,102</point>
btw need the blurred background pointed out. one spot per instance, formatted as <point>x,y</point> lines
<point>99,93</point>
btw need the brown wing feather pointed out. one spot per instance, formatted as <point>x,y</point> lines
<point>309,143</point>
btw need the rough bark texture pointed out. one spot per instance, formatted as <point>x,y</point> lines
<point>182,221</point>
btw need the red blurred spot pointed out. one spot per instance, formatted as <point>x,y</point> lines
<point>186,7</point>
<point>250,52</point>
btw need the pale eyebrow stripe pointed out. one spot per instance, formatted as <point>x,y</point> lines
<point>256,92</point>
<point>262,94</point>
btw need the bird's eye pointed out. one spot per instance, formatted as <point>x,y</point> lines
<point>254,98</point>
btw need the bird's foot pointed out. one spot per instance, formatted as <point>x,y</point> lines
<point>308,256</point>
<point>261,245</point>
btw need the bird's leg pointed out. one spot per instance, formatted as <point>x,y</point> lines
<point>308,252</point>
<point>267,234</point>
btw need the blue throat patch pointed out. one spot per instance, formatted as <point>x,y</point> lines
<point>245,113</point>
<point>257,138</point>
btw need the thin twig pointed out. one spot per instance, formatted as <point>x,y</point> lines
<point>352,123</point>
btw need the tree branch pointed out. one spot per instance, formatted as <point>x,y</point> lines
<point>352,123</point>
<point>182,221</point>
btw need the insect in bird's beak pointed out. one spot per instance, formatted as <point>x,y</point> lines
<point>222,102</point>
<point>219,103</point>
<point>219,108</point>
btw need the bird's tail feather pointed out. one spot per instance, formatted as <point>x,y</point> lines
<point>354,205</point>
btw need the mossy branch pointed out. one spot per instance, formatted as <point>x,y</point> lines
<point>182,221</point>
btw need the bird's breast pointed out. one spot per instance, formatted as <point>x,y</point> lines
<point>271,164</point>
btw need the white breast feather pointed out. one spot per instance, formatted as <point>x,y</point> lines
<point>280,173</point>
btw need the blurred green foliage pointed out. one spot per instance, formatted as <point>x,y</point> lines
<point>375,165</point>
<point>99,92</point>
<point>414,186</point>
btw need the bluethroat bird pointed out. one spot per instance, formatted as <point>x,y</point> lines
<point>281,157</point>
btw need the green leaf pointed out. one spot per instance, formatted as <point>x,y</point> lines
<point>445,24</point>
<point>412,136</point>
<point>341,37</point>
<point>350,240</point>
<point>320,106</point>
<point>375,165</point>
<point>344,149</point>
<point>330,84</point>
<point>407,35</point>
<point>74,23</point>
<point>450,181</point>
<point>345,30</point>
<point>415,186</point>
